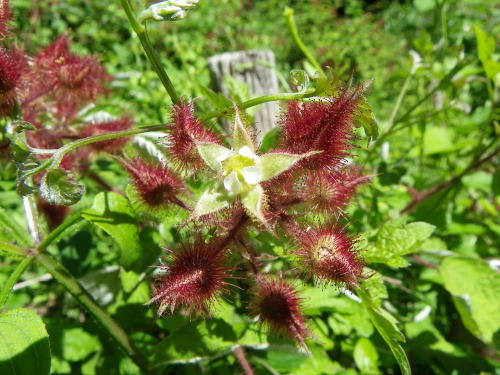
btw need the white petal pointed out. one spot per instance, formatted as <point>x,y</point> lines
<point>245,151</point>
<point>252,175</point>
<point>232,183</point>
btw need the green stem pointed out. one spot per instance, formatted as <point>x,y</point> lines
<point>12,280</point>
<point>260,100</point>
<point>13,227</point>
<point>292,26</point>
<point>53,236</point>
<point>62,275</point>
<point>60,153</point>
<point>153,58</point>
<point>12,249</point>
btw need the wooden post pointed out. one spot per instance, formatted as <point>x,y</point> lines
<point>257,70</point>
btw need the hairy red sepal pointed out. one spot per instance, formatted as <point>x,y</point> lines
<point>12,67</point>
<point>330,255</point>
<point>5,17</point>
<point>279,306</point>
<point>194,280</point>
<point>325,127</point>
<point>185,131</point>
<point>154,183</point>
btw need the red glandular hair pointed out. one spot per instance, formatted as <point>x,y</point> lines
<point>4,18</point>
<point>109,145</point>
<point>12,67</point>
<point>155,184</point>
<point>279,306</point>
<point>331,191</point>
<point>196,277</point>
<point>325,127</point>
<point>330,256</point>
<point>185,131</point>
<point>71,80</point>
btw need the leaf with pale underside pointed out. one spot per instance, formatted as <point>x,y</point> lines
<point>213,199</point>
<point>241,136</point>
<point>273,164</point>
<point>253,201</point>
<point>212,154</point>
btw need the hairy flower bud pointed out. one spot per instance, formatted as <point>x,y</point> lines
<point>194,280</point>
<point>325,127</point>
<point>154,183</point>
<point>73,81</point>
<point>12,67</point>
<point>331,191</point>
<point>278,305</point>
<point>185,131</point>
<point>330,255</point>
<point>4,17</point>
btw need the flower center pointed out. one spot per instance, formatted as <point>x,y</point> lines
<point>236,164</point>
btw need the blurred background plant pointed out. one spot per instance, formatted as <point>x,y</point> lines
<point>435,94</point>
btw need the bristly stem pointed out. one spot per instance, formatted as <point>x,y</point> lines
<point>153,58</point>
<point>12,280</point>
<point>292,26</point>
<point>63,276</point>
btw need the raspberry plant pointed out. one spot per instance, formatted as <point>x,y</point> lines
<point>228,199</point>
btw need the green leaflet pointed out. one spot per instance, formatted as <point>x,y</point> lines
<point>386,325</point>
<point>57,188</point>
<point>24,344</point>
<point>113,213</point>
<point>393,240</point>
<point>475,288</point>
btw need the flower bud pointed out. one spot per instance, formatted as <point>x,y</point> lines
<point>4,18</point>
<point>12,66</point>
<point>278,305</point>
<point>325,127</point>
<point>185,131</point>
<point>195,278</point>
<point>329,255</point>
<point>154,183</point>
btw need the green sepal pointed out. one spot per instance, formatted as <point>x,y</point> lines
<point>253,201</point>
<point>213,199</point>
<point>273,164</point>
<point>212,154</point>
<point>241,135</point>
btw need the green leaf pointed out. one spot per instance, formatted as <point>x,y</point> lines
<point>365,117</point>
<point>273,164</point>
<point>24,344</point>
<point>475,288</point>
<point>366,356</point>
<point>241,135</point>
<point>393,240</point>
<point>113,213</point>
<point>194,342</point>
<point>78,344</point>
<point>270,140</point>
<point>485,51</point>
<point>56,188</point>
<point>217,100</point>
<point>386,325</point>
<point>212,154</point>
<point>375,288</point>
<point>253,201</point>
<point>213,199</point>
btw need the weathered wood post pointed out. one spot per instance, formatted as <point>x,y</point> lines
<point>257,70</point>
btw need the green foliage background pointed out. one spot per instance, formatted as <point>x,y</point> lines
<point>445,295</point>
